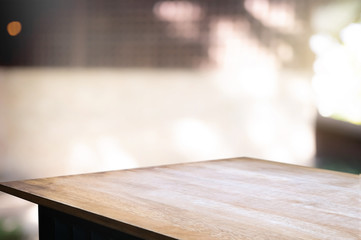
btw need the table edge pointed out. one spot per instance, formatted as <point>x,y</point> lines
<point>86,215</point>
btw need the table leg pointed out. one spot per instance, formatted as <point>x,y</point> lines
<point>55,225</point>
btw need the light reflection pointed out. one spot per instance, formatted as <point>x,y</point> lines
<point>181,16</point>
<point>106,154</point>
<point>280,14</point>
<point>196,140</point>
<point>31,218</point>
<point>242,63</point>
<point>113,156</point>
<point>261,131</point>
<point>351,37</point>
<point>301,142</point>
<point>284,52</point>
<point>177,11</point>
<point>82,158</point>
<point>337,80</point>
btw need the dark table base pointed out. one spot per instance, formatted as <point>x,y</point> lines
<point>55,225</point>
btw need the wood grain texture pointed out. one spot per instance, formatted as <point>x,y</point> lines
<point>238,198</point>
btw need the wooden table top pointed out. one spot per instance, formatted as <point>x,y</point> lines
<point>237,198</point>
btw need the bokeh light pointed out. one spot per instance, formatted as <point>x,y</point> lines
<point>337,80</point>
<point>14,28</point>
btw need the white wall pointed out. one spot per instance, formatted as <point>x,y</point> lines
<point>62,121</point>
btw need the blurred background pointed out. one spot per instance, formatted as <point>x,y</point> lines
<point>93,85</point>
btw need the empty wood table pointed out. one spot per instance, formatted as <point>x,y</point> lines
<point>239,198</point>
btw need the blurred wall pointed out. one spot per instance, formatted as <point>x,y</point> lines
<point>62,121</point>
<point>135,83</point>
